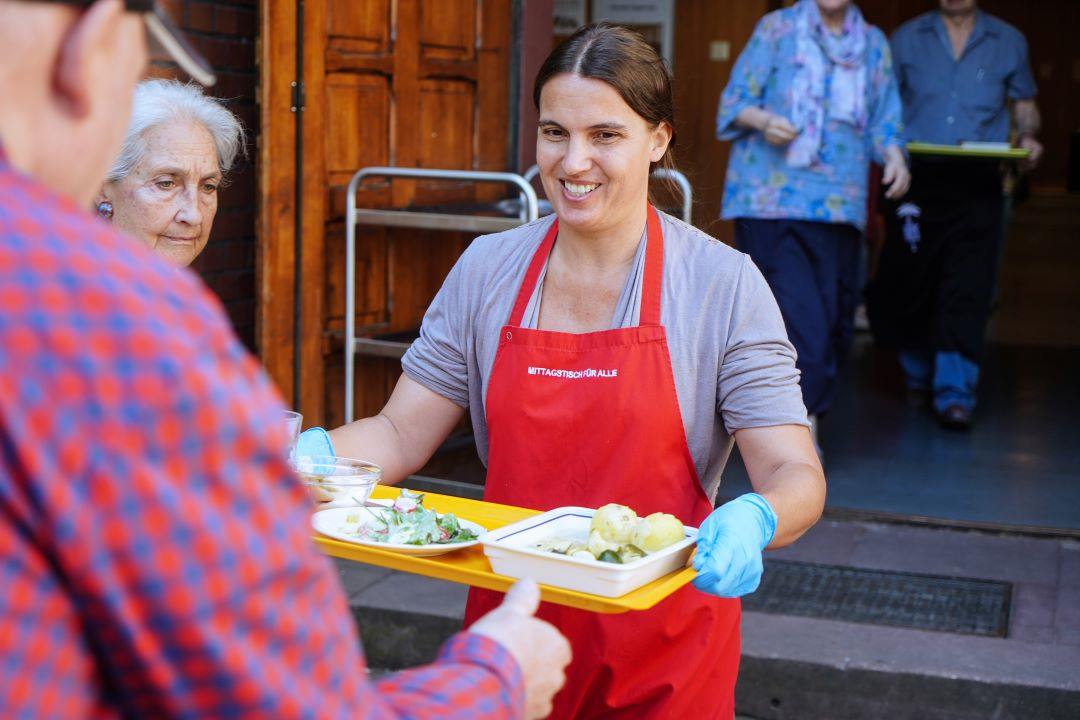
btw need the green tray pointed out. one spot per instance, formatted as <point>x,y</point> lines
<point>918,148</point>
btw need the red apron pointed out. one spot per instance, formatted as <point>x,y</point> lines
<point>609,431</point>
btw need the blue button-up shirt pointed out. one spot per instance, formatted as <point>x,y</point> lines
<point>948,100</point>
<point>760,183</point>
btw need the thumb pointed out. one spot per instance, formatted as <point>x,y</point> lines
<point>523,597</point>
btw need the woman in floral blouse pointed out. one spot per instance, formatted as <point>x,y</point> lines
<point>811,100</point>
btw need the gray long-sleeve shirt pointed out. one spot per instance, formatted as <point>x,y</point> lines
<point>734,367</point>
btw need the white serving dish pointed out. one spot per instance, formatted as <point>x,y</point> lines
<point>510,551</point>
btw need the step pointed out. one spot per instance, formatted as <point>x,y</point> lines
<point>795,667</point>
<point>811,668</point>
<point>403,619</point>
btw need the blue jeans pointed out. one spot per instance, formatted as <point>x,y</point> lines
<point>951,376</point>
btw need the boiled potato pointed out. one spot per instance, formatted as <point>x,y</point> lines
<point>615,523</point>
<point>598,544</point>
<point>657,531</point>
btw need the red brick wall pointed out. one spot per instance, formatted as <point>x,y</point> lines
<point>225,31</point>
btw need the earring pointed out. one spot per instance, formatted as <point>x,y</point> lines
<point>105,210</point>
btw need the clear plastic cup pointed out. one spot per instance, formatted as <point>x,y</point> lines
<point>336,481</point>
<point>293,422</point>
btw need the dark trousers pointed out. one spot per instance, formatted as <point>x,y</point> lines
<point>931,296</point>
<point>813,270</point>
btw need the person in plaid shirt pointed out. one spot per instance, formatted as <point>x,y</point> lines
<point>154,550</point>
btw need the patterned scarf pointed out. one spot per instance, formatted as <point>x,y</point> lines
<point>817,52</point>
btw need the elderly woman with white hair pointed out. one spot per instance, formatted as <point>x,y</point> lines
<point>163,186</point>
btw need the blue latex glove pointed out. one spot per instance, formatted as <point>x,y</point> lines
<point>729,545</point>
<point>314,441</point>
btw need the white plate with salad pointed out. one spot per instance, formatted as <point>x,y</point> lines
<point>406,527</point>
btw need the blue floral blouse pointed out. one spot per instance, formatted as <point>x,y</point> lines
<point>760,183</point>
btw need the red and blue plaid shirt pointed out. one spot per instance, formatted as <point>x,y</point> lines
<point>155,558</point>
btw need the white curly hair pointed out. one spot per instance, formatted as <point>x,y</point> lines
<point>160,101</point>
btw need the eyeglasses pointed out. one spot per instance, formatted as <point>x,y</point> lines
<point>164,35</point>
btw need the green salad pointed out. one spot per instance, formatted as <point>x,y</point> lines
<point>407,522</point>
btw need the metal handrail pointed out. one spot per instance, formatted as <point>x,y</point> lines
<point>684,186</point>
<point>677,177</point>
<point>531,173</point>
<point>404,218</point>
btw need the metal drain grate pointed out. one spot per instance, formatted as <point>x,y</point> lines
<point>925,602</point>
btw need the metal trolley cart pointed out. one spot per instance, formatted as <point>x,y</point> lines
<point>526,211</point>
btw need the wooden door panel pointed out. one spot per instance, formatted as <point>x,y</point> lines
<point>372,264</point>
<point>448,29</point>
<point>371,281</point>
<point>357,124</point>
<point>419,262</point>
<point>446,124</point>
<point>365,23</point>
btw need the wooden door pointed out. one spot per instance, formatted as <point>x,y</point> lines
<point>700,76</point>
<point>408,83</point>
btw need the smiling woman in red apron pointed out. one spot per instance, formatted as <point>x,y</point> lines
<point>611,354</point>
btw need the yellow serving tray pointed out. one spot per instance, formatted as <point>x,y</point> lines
<point>470,566</point>
<point>917,148</point>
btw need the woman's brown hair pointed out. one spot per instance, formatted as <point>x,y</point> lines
<point>621,58</point>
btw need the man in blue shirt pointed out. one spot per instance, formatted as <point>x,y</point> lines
<point>960,72</point>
